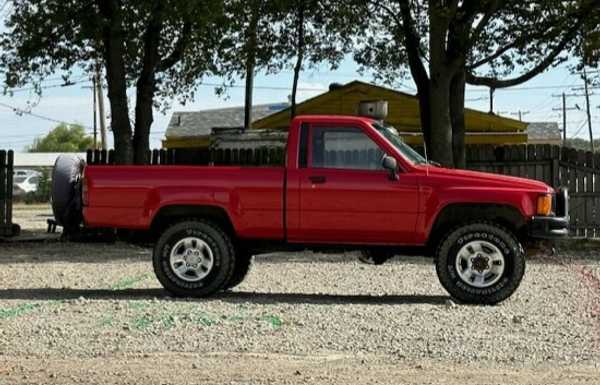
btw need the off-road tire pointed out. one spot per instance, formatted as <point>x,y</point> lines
<point>66,191</point>
<point>374,257</point>
<point>504,240</point>
<point>222,250</point>
<point>243,264</point>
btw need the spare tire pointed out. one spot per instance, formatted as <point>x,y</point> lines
<point>66,191</point>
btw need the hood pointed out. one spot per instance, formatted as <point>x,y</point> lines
<point>487,179</point>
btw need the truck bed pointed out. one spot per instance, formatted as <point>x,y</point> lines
<point>131,196</point>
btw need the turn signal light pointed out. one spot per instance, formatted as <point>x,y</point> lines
<point>544,204</point>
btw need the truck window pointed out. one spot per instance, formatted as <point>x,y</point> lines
<point>345,148</point>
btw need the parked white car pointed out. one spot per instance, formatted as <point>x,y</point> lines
<point>25,181</point>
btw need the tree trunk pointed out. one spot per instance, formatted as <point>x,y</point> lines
<point>251,63</point>
<point>457,116</point>
<point>115,78</point>
<point>299,56</point>
<point>425,113</point>
<point>441,131</point>
<point>439,87</point>
<point>440,76</point>
<point>146,86</point>
<point>143,120</point>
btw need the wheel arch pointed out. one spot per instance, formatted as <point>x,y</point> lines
<point>170,214</point>
<point>456,214</point>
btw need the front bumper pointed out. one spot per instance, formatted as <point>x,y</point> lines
<point>552,227</point>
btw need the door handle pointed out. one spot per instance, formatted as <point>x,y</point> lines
<point>317,179</point>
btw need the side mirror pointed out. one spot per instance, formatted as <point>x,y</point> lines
<point>389,163</point>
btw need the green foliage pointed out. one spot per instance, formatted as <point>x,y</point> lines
<point>582,144</point>
<point>63,138</point>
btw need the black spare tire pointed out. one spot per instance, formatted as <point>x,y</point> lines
<point>66,191</point>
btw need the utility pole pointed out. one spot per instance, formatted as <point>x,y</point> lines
<point>564,110</point>
<point>94,103</point>
<point>587,108</point>
<point>100,96</point>
<point>95,125</point>
<point>586,93</point>
<point>520,114</point>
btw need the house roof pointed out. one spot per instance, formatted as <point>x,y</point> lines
<point>189,124</point>
<point>544,131</point>
<point>193,129</point>
<point>403,110</point>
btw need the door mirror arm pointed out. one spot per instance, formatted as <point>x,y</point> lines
<point>389,163</point>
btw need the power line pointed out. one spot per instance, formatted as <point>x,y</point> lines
<point>272,88</point>
<point>20,111</point>
<point>552,87</point>
<point>50,86</point>
<point>581,126</point>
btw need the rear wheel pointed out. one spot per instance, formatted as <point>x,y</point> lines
<point>480,263</point>
<point>193,259</point>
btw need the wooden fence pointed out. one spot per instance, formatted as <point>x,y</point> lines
<point>222,157</point>
<point>557,166</point>
<point>7,228</point>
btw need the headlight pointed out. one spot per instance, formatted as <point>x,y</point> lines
<point>544,205</point>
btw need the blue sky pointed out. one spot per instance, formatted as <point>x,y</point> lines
<point>74,103</point>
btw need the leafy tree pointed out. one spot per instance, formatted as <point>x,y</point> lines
<point>248,43</point>
<point>444,44</point>
<point>582,144</point>
<point>312,32</point>
<point>163,48</point>
<point>63,138</point>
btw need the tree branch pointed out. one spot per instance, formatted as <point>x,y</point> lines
<point>539,68</point>
<point>499,52</point>
<point>417,68</point>
<point>179,48</point>
<point>491,9</point>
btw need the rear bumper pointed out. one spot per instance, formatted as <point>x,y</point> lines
<point>556,226</point>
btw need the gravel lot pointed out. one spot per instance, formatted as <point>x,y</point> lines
<point>94,313</point>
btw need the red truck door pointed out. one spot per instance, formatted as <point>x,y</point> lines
<point>345,195</point>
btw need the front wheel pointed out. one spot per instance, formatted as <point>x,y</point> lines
<point>480,263</point>
<point>193,259</point>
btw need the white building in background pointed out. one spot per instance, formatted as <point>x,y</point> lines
<point>36,160</point>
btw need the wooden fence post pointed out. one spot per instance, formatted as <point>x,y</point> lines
<point>9,186</point>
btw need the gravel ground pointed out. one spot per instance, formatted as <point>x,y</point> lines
<point>94,313</point>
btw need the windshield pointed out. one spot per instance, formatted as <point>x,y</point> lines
<point>391,134</point>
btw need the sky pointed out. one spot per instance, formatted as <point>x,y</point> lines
<point>73,104</point>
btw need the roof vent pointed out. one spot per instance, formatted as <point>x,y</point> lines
<point>335,86</point>
<point>376,109</point>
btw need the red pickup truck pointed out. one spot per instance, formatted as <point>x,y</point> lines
<point>348,183</point>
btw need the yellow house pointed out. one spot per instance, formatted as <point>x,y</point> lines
<point>194,129</point>
<point>403,113</point>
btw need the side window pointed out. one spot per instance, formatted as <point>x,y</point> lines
<point>345,148</point>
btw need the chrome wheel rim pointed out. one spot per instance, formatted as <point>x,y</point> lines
<point>191,259</point>
<point>480,264</point>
